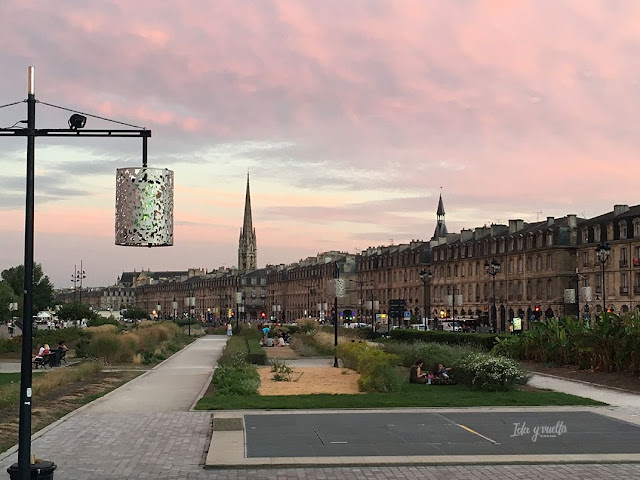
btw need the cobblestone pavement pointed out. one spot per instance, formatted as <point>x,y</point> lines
<point>172,446</point>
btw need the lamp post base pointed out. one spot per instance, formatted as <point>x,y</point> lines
<point>41,470</point>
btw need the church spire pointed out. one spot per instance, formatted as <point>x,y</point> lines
<point>247,225</point>
<point>247,245</point>
<point>441,226</point>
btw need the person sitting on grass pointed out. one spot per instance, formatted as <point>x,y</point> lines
<point>416,375</point>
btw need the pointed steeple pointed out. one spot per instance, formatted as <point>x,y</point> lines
<point>440,211</point>
<point>247,225</point>
<point>247,245</point>
<point>441,226</point>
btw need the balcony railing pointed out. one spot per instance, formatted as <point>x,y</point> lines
<point>624,290</point>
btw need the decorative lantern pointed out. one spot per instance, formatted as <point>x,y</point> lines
<point>144,207</point>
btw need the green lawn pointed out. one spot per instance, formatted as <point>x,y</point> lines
<point>414,396</point>
<point>7,378</point>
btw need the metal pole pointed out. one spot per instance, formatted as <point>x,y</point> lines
<point>604,297</point>
<point>373,314</point>
<point>24,428</point>
<point>424,300</point>
<point>494,313</point>
<point>75,281</point>
<point>81,275</point>
<point>578,293</point>
<point>335,318</point>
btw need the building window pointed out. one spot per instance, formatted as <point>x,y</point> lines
<point>455,270</point>
<point>529,290</point>
<point>623,281</point>
<point>520,242</point>
<point>549,261</point>
<point>549,289</point>
<point>585,235</point>
<point>549,239</point>
<point>510,265</point>
<point>610,231</point>
<point>623,229</point>
<point>636,227</point>
<point>624,260</point>
<point>529,264</point>
<point>519,266</point>
<point>530,241</point>
<point>539,240</point>
<point>539,289</point>
<point>596,233</point>
<point>585,259</point>
<point>539,263</point>
<point>511,244</point>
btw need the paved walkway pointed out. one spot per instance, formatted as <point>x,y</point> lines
<point>145,430</point>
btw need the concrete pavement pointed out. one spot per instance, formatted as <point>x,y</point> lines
<point>113,438</point>
<point>170,387</point>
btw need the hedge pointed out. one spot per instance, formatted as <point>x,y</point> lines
<point>486,341</point>
<point>257,355</point>
<point>246,347</point>
<point>375,366</point>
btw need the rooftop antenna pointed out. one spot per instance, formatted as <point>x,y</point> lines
<point>391,241</point>
<point>538,213</point>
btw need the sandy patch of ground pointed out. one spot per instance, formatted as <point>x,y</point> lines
<point>281,352</point>
<point>312,380</point>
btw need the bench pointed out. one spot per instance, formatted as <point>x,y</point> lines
<point>51,359</point>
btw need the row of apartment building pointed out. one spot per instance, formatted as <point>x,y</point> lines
<point>546,268</point>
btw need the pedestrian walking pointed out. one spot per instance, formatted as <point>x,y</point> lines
<point>229,329</point>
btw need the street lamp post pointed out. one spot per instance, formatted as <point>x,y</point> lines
<point>492,269</point>
<point>425,276</point>
<point>602,254</point>
<point>336,275</point>
<point>76,125</point>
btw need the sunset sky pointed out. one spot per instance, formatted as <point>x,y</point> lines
<point>350,115</point>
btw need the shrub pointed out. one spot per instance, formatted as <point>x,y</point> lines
<point>430,353</point>
<point>257,355</point>
<point>375,366</point>
<point>488,373</point>
<point>236,377</point>
<point>485,341</point>
<point>10,345</point>
<point>96,322</point>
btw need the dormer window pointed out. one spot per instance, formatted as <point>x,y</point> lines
<point>623,229</point>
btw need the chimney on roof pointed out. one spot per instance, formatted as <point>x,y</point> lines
<point>515,225</point>
<point>620,209</point>
<point>572,220</point>
<point>550,221</point>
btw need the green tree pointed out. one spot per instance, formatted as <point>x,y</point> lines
<point>76,311</point>
<point>135,313</point>
<point>42,286</point>
<point>7,296</point>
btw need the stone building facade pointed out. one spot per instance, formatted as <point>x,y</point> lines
<point>537,264</point>
<point>620,228</point>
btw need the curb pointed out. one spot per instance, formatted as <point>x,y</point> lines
<point>39,433</point>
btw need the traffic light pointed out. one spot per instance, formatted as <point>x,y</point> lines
<point>263,315</point>
<point>229,313</point>
<point>443,314</point>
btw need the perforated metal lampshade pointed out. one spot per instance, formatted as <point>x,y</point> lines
<point>144,207</point>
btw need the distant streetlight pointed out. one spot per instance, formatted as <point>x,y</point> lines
<point>492,269</point>
<point>425,276</point>
<point>602,253</point>
<point>77,277</point>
